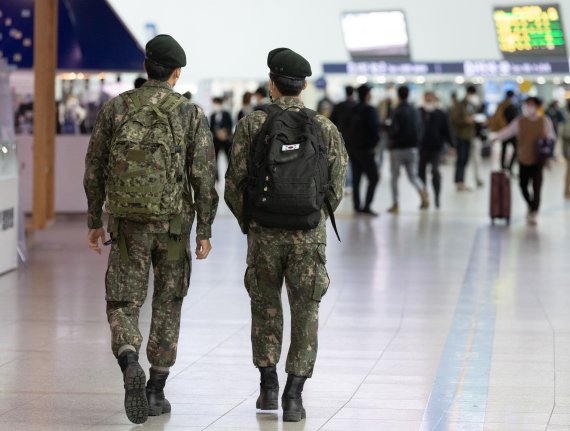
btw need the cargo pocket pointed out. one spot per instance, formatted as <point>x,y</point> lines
<point>322,280</point>
<point>250,280</point>
<point>185,282</point>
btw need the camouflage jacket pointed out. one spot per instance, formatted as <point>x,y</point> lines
<point>200,161</point>
<point>237,174</point>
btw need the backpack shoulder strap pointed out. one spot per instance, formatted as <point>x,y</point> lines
<point>331,215</point>
<point>132,100</point>
<point>171,102</point>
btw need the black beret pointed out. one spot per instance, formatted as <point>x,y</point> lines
<point>285,62</point>
<point>164,50</point>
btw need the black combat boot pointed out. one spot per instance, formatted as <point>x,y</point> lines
<point>269,389</point>
<point>136,405</point>
<point>291,400</point>
<point>157,404</point>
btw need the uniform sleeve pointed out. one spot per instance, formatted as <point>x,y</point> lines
<point>96,161</point>
<point>236,175</point>
<point>203,175</point>
<point>338,163</point>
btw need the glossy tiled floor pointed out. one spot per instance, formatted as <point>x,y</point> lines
<point>434,321</point>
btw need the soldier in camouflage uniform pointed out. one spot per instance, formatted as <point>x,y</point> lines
<point>136,245</point>
<point>274,255</point>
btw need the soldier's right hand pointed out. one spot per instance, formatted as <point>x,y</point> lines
<point>93,237</point>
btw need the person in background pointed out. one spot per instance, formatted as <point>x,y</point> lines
<point>340,117</point>
<point>139,82</point>
<point>555,114</point>
<point>363,134</point>
<point>246,107</point>
<point>221,126</point>
<point>529,128</point>
<point>188,95</point>
<point>385,110</point>
<point>566,149</point>
<point>509,111</point>
<point>436,132</point>
<point>463,124</point>
<point>260,97</point>
<point>404,141</point>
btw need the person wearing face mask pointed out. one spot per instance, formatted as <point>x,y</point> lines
<point>528,129</point>
<point>152,201</point>
<point>463,124</point>
<point>221,126</point>
<point>436,132</point>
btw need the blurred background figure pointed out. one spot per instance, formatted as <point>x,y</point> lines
<point>506,112</point>
<point>566,149</point>
<point>188,95</point>
<point>435,134</point>
<point>260,97</point>
<point>221,126</point>
<point>363,135</point>
<point>529,128</point>
<point>246,107</point>
<point>463,123</point>
<point>405,135</point>
<point>385,110</point>
<point>139,82</point>
<point>340,116</point>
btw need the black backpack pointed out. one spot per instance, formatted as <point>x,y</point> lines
<point>288,172</point>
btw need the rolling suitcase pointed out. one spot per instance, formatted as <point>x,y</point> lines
<point>500,196</point>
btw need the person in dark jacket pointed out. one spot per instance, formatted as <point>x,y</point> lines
<point>436,132</point>
<point>340,116</point>
<point>404,142</point>
<point>510,112</point>
<point>221,126</point>
<point>363,136</point>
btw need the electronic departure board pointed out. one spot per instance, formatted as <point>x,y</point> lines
<point>530,30</point>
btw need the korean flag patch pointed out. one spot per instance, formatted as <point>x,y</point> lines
<point>291,147</point>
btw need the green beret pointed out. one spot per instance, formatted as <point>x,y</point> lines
<point>164,50</point>
<point>285,62</point>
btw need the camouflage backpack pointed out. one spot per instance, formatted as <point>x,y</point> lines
<point>146,175</point>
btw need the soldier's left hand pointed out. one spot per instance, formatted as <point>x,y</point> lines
<point>203,248</point>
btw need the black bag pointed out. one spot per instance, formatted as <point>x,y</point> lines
<point>288,171</point>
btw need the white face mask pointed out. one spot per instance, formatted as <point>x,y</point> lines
<point>529,111</point>
<point>474,100</point>
<point>429,107</point>
<point>216,108</point>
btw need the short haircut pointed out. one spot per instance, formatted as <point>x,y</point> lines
<point>288,86</point>
<point>431,94</point>
<point>246,99</point>
<point>471,89</point>
<point>261,91</point>
<point>188,95</point>
<point>536,100</point>
<point>218,100</point>
<point>363,91</point>
<point>139,82</point>
<point>403,92</point>
<point>510,93</point>
<point>157,71</point>
<point>349,90</point>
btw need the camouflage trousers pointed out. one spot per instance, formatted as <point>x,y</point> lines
<point>126,285</point>
<point>302,266</point>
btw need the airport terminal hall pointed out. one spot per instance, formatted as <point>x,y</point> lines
<point>263,215</point>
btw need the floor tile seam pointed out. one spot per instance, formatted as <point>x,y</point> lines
<point>553,331</point>
<point>376,362</point>
<point>204,355</point>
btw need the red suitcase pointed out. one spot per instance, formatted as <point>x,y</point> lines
<point>500,196</point>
